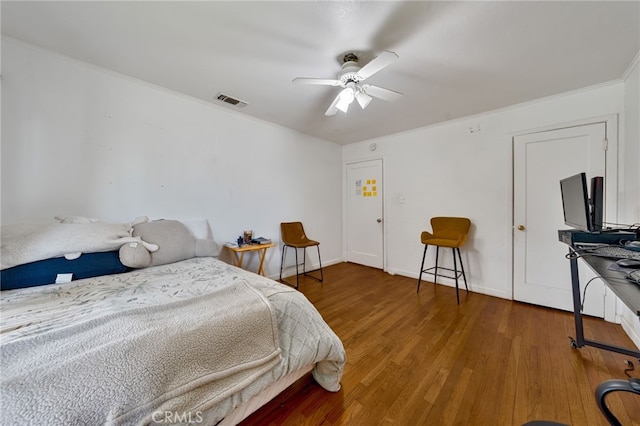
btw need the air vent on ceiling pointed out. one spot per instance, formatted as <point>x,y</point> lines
<point>230,100</point>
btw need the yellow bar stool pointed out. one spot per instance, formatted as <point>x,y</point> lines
<point>449,232</point>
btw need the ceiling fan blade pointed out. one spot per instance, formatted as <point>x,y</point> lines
<point>332,108</point>
<point>319,81</point>
<point>379,62</point>
<point>381,92</point>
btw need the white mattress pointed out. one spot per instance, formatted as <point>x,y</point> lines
<point>304,338</point>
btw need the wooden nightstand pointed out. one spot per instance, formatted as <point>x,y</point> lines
<point>260,248</point>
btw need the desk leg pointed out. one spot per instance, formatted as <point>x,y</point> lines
<point>263,253</point>
<point>580,341</point>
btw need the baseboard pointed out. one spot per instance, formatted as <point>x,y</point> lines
<point>473,287</point>
<point>291,270</point>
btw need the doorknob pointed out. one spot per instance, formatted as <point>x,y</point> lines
<point>379,220</point>
<point>520,227</point>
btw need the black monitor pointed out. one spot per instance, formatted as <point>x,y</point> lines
<point>596,203</point>
<point>580,211</point>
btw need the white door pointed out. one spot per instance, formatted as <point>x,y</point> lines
<point>541,160</point>
<point>364,224</point>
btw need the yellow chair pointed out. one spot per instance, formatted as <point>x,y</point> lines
<point>447,232</point>
<point>293,236</point>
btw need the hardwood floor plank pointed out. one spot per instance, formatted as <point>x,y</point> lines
<point>417,358</point>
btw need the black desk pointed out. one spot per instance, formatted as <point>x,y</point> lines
<point>627,292</point>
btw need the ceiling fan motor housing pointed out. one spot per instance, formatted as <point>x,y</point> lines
<point>350,57</point>
<point>349,69</point>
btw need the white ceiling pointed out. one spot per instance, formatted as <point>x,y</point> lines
<point>456,58</point>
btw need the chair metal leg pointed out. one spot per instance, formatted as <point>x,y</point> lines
<point>455,273</point>
<point>304,266</point>
<point>321,279</point>
<point>304,261</point>
<point>422,266</point>
<point>284,249</point>
<point>435,272</point>
<point>462,268</point>
<point>320,262</point>
<point>297,274</point>
<point>284,256</point>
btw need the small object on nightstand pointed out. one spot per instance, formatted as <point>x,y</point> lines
<point>260,240</point>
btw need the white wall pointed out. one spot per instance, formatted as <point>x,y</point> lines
<point>445,170</point>
<point>78,140</point>
<point>630,182</point>
<point>630,172</point>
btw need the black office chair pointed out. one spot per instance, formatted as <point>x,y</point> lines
<point>632,385</point>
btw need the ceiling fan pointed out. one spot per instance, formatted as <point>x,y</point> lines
<point>351,78</point>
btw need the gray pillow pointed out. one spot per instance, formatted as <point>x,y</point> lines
<point>134,255</point>
<point>175,241</point>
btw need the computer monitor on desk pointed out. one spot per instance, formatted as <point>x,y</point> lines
<point>581,211</point>
<point>584,214</point>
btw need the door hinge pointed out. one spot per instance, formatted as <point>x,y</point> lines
<point>605,144</point>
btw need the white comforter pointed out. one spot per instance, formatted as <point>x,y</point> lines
<point>32,317</point>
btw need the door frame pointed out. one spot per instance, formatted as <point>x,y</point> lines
<point>345,212</point>
<point>611,189</point>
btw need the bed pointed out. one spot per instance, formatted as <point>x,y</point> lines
<point>195,341</point>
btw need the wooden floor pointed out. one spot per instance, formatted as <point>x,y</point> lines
<point>419,359</point>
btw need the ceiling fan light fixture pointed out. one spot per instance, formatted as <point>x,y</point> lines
<point>343,105</point>
<point>346,98</point>
<point>363,99</point>
<point>348,94</point>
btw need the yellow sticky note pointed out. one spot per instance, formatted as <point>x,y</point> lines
<point>375,194</point>
<point>374,188</point>
<point>373,181</point>
<point>368,181</point>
